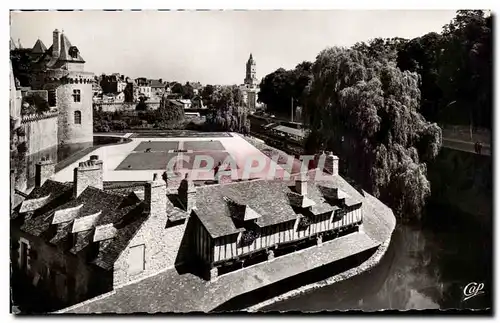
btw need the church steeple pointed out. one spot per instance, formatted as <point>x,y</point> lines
<point>250,78</point>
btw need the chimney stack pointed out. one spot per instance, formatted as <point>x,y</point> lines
<point>155,196</point>
<point>95,158</point>
<point>301,183</point>
<point>44,169</point>
<point>331,163</point>
<point>187,194</point>
<point>88,173</point>
<point>56,43</point>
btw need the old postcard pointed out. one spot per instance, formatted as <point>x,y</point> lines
<point>250,161</point>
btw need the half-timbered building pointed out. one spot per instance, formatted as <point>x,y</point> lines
<point>240,224</point>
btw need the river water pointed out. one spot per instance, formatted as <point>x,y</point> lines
<point>425,267</point>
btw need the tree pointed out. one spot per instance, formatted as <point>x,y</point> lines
<point>142,106</point>
<point>177,88</point>
<point>188,91</point>
<point>374,106</point>
<point>169,114</point>
<point>228,112</point>
<point>421,55</point>
<point>465,72</point>
<point>129,92</point>
<point>455,69</point>
<point>278,89</point>
<point>207,95</point>
<point>34,104</point>
<point>381,49</point>
<point>22,66</point>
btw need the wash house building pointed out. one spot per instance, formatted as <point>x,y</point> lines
<point>76,240</point>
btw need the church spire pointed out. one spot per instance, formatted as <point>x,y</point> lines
<point>250,78</point>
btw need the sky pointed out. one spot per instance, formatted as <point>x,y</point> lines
<point>212,47</point>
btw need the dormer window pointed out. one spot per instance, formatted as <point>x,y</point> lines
<point>73,52</point>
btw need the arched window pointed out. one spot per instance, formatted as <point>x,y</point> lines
<point>78,117</point>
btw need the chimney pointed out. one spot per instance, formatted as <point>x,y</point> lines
<point>155,196</point>
<point>331,163</point>
<point>187,194</point>
<point>301,183</point>
<point>88,173</point>
<point>44,169</point>
<point>56,43</point>
<point>95,158</point>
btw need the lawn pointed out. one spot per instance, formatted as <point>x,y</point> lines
<point>157,146</point>
<point>214,145</point>
<point>146,161</point>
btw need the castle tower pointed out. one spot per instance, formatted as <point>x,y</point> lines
<point>60,71</point>
<point>250,78</point>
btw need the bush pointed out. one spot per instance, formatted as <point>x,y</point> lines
<point>37,104</point>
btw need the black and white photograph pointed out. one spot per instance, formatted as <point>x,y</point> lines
<point>251,161</point>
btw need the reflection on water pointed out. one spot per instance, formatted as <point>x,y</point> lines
<point>424,268</point>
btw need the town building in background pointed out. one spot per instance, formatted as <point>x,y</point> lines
<point>250,87</point>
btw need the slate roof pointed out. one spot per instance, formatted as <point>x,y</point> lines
<point>117,216</point>
<point>270,199</point>
<point>39,47</point>
<point>59,193</point>
<point>64,54</point>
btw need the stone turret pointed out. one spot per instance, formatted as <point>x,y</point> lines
<point>69,89</point>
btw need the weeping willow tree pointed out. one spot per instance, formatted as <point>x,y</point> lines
<point>366,110</point>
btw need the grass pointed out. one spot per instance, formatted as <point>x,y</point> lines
<point>157,146</point>
<point>146,161</point>
<point>203,145</point>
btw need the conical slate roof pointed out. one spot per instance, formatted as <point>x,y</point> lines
<point>39,47</point>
